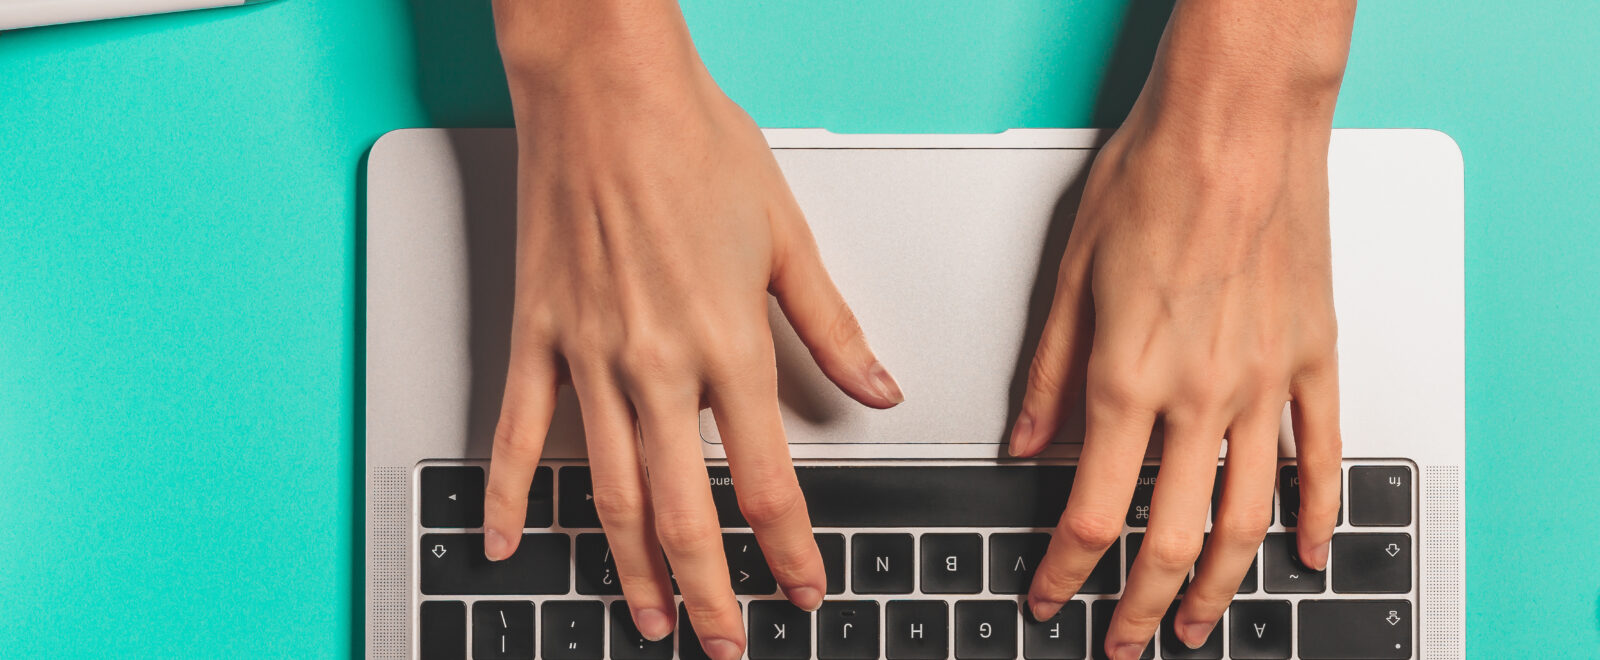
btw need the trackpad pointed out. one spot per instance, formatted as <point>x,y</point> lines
<point>948,257</point>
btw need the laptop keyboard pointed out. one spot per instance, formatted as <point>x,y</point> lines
<point>925,559</point>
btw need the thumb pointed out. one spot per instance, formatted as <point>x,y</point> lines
<point>825,323</point>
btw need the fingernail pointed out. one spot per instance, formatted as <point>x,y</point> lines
<point>1195,634</point>
<point>1021,435</point>
<point>495,546</point>
<point>721,649</point>
<point>1127,651</point>
<point>883,384</point>
<point>1042,610</point>
<point>1318,559</point>
<point>652,623</point>
<point>805,598</point>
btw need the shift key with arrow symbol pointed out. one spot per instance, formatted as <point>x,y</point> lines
<point>747,567</point>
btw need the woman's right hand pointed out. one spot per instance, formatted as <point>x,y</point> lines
<point>652,223</point>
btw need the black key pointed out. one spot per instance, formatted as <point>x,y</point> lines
<point>1371,563</point>
<point>688,642</point>
<point>832,548</point>
<point>1172,647</point>
<point>1380,496</point>
<point>1289,497</point>
<point>1348,629</point>
<point>952,564</point>
<point>1258,630</point>
<point>452,496</point>
<point>1105,578</point>
<point>1216,494</point>
<point>1100,623</point>
<point>628,644</point>
<point>1283,573</point>
<point>919,496</point>
<point>443,630</point>
<point>541,498</point>
<point>847,630</point>
<point>778,631</point>
<point>882,563</point>
<point>573,630</point>
<point>577,499</point>
<point>454,564</point>
<point>1139,508</point>
<point>747,567</point>
<point>502,630</point>
<point>1012,560</point>
<point>594,570</point>
<point>986,629</point>
<point>1061,637</point>
<point>917,630</point>
<point>1135,540</point>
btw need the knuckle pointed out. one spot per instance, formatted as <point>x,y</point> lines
<point>618,506</point>
<point>512,443</point>
<point>1242,531</point>
<point>1172,551</point>
<point>771,505</point>
<point>1115,390</point>
<point>844,330</point>
<point>637,586</point>
<point>650,357</point>
<point>1140,620</point>
<point>706,611</point>
<point>1055,583</point>
<point>497,498</point>
<point>1093,530</point>
<point>686,534</point>
<point>1044,375</point>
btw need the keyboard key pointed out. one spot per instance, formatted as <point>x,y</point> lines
<point>1135,540</point>
<point>1348,629</point>
<point>951,564</point>
<point>1143,490</point>
<point>688,642</point>
<point>454,564</point>
<point>541,499</point>
<point>1371,563</point>
<point>1283,573</point>
<point>1289,497</point>
<point>1101,622</point>
<point>628,644</point>
<point>779,631</point>
<point>1105,578</point>
<point>747,567</point>
<point>917,630</point>
<point>1171,647</point>
<point>1380,496</point>
<point>1012,560</point>
<point>573,630</point>
<point>452,496</point>
<point>577,499</point>
<point>443,630</point>
<point>594,571</point>
<point>1258,630</point>
<point>832,548</point>
<point>847,630</point>
<point>882,563</point>
<point>502,630</point>
<point>1062,637</point>
<point>986,629</point>
<point>931,496</point>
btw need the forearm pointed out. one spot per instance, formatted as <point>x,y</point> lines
<point>1238,70</point>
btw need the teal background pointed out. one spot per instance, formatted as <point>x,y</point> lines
<point>179,225</point>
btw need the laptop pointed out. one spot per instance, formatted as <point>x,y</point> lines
<point>946,247</point>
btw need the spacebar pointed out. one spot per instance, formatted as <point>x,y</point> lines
<point>919,496</point>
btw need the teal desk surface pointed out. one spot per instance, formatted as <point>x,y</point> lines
<point>180,219</point>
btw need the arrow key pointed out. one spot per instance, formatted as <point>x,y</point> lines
<point>1371,563</point>
<point>747,567</point>
<point>452,496</point>
<point>1259,629</point>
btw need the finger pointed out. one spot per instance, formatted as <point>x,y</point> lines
<point>1116,435</point>
<point>825,323</point>
<point>1237,528</point>
<point>1177,531</point>
<point>530,400</point>
<point>686,521</point>
<point>745,403</point>
<point>621,498</point>
<point>1315,412</point>
<point>1056,375</point>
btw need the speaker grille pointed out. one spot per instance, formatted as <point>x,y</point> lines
<point>1443,599</point>
<point>388,580</point>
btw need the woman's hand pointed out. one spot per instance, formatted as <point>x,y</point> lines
<point>652,224</point>
<point>1195,297</point>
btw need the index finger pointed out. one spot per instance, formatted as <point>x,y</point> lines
<point>530,401</point>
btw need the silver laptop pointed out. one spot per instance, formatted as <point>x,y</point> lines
<point>945,245</point>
